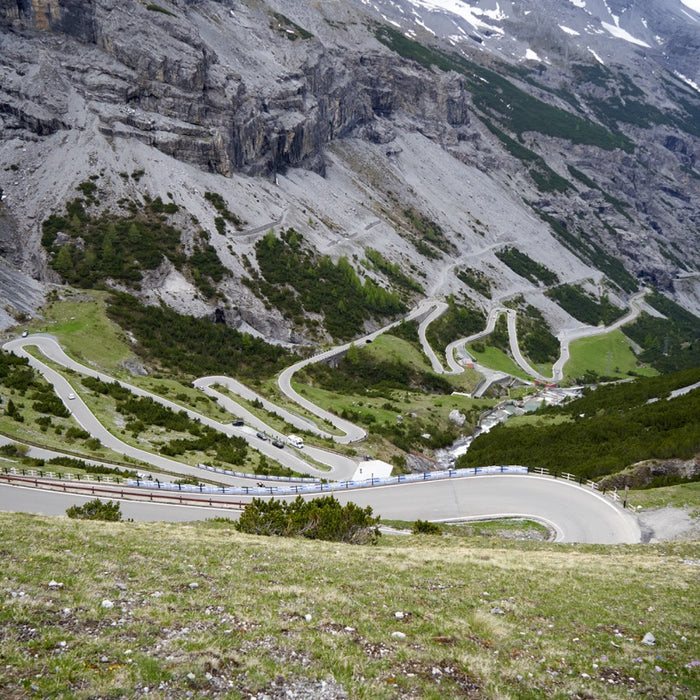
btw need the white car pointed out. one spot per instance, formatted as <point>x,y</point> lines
<point>71,395</point>
<point>25,334</point>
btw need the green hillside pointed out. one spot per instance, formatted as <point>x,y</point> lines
<point>198,610</point>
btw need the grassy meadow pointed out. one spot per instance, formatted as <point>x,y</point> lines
<point>91,609</point>
<point>608,355</point>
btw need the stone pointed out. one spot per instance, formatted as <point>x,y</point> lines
<point>649,639</point>
<point>457,418</point>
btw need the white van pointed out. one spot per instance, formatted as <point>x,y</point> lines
<point>295,441</point>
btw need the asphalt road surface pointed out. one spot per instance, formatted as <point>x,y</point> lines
<point>575,514</point>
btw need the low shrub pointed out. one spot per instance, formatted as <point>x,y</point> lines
<point>425,527</point>
<point>96,510</point>
<point>317,519</point>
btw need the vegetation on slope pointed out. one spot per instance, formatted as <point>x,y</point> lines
<point>298,283</point>
<point>195,346</point>
<point>87,247</point>
<point>427,235</point>
<point>457,322</point>
<point>603,432</point>
<point>604,357</point>
<point>582,244</point>
<point>475,279</point>
<point>361,371</point>
<point>393,272</point>
<point>583,307</point>
<point>115,608</point>
<point>669,343</point>
<point>535,336</point>
<point>523,265</point>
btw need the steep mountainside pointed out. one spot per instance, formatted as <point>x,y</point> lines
<point>410,140</point>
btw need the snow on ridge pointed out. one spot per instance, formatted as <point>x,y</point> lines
<point>530,55</point>
<point>687,81</point>
<point>578,3</point>
<point>620,33</point>
<point>596,56</point>
<point>470,14</point>
<point>694,5</point>
<point>568,30</point>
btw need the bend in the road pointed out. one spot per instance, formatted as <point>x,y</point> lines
<point>50,347</point>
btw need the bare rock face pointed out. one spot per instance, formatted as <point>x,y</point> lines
<point>643,473</point>
<point>152,76</point>
<point>72,17</point>
<point>240,90</point>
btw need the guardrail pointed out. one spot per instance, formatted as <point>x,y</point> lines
<point>244,475</point>
<point>155,485</point>
<point>64,476</point>
<point>111,492</point>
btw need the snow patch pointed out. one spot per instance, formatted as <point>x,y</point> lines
<point>596,56</point>
<point>568,30</point>
<point>694,5</point>
<point>530,55</point>
<point>578,3</point>
<point>620,33</point>
<point>687,81</point>
<point>473,15</point>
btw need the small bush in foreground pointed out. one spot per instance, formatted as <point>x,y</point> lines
<point>95,510</point>
<point>425,527</point>
<point>318,519</point>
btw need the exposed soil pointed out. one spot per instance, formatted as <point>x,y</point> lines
<point>669,524</point>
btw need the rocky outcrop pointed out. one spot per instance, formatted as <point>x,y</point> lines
<point>235,88</point>
<point>151,76</point>
<point>75,18</point>
<point>644,473</point>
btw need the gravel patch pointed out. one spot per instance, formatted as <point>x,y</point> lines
<point>669,524</point>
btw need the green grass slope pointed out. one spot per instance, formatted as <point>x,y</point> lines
<point>200,610</point>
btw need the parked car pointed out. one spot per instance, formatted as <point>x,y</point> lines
<point>238,423</point>
<point>262,436</point>
<point>278,443</point>
<point>25,334</point>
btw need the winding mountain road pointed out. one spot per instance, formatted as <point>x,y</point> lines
<point>636,304</point>
<point>350,431</point>
<point>339,467</point>
<point>575,514</point>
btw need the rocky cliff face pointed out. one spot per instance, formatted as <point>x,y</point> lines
<point>151,75</point>
<point>261,89</point>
